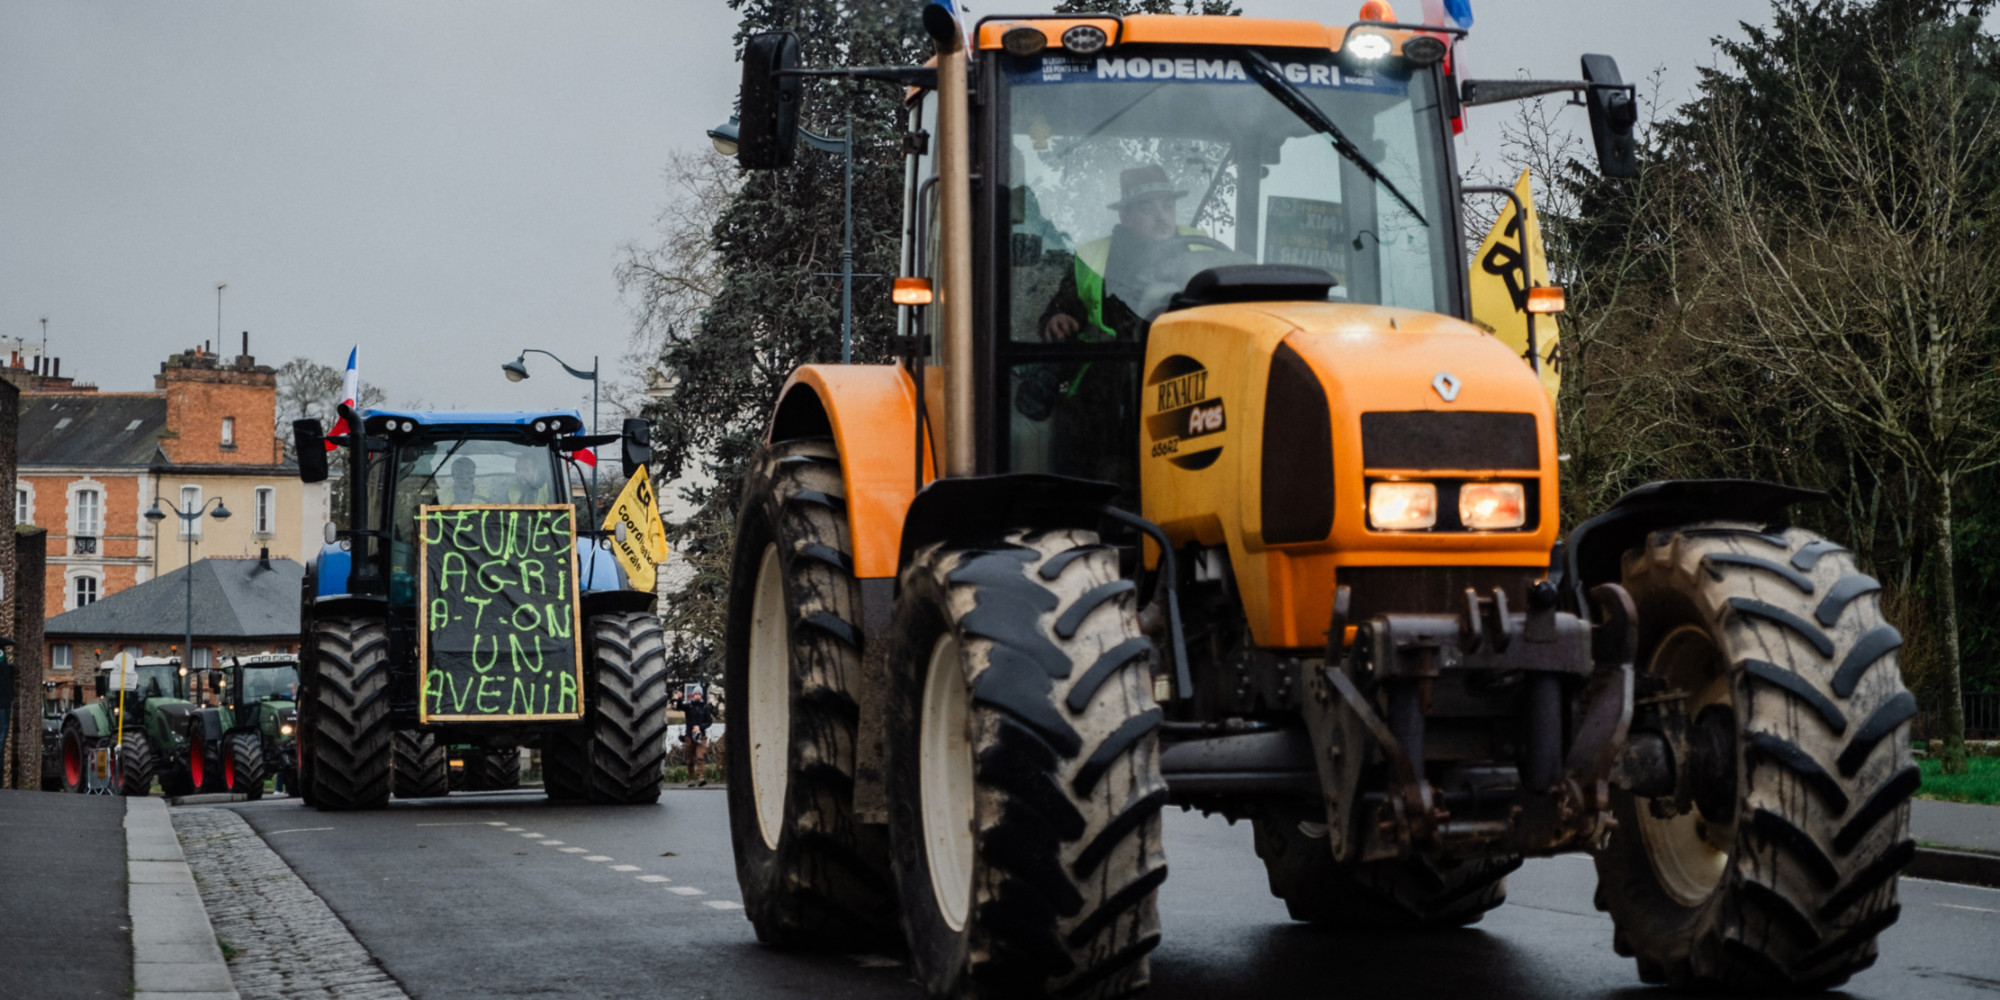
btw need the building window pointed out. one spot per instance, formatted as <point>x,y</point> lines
<point>24,506</point>
<point>190,503</point>
<point>202,656</point>
<point>267,504</point>
<point>86,590</point>
<point>229,432</point>
<point>89,514</point>
<point>59,656</point>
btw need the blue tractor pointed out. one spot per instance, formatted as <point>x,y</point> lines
<point>372,715</point>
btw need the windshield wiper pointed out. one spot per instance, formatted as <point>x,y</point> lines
<point>1273,81</point>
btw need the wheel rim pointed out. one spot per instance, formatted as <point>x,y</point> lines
<point>228,768</point>
<point>944,783</point>
<point>1684,849</point>
<point>198,762</point>
<point>770,721</point>
<point>72,763</point>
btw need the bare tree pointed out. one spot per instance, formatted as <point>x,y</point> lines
<point>1871,298</point>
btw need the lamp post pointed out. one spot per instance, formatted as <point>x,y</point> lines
<point>724,136</point>
<point>517,370</point>
<point>188,520</point>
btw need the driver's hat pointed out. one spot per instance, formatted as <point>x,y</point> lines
<point>1138,184</point>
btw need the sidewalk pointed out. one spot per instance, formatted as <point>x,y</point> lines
<point>63,929</point>
<point>1956,824</point>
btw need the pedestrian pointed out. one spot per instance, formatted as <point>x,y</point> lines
<point>695,738</point>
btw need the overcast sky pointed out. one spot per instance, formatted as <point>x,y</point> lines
<point>444,184</point>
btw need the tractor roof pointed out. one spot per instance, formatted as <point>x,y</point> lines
<point>476,418</point>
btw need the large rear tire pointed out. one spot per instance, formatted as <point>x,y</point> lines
<point>1398,894</point>
<point>350,763</point>
<point>245,768</point>
<point>423,765</point>
<point>138,765</point>
<point>628,736</point>
<point>1783,870</point>
<point>811,876</point>
<point>1024,781</point>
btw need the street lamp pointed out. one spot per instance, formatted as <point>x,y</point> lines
<point>517,370</point>
<point>724,136</point>
<point>188,520</point>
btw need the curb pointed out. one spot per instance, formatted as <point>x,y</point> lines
<point>1946,865</point>
<point>174,951</point>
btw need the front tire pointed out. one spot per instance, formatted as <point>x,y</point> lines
<point>1783,870</point>
<point>1024,781</point>
<point>493,770</point>
<point>206,770</point>
<point>350,763</point>
<point>628,743</point>
<point>137,766</point>
<point>810,874</point>
<point>75,759</point>
<point>423,766</point>
<point>245,767</point>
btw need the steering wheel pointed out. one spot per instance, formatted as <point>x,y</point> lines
<point>1174,261</point>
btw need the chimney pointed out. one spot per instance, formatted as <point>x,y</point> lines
<point>58,371</point>
<point>264,553</point>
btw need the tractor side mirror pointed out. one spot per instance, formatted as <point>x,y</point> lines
<point>637,448</point>
<point>769,130</point>
<point>310,443</point>
<point>215,680</point>
<point>1613,112</point>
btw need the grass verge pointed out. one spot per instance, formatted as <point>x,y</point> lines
<point>1980,785</point>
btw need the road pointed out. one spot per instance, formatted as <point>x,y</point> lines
<point>508,895</point>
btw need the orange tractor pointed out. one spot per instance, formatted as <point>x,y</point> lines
<point>1195,486</point>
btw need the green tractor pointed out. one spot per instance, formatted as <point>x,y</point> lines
<point>145,699</point>
<point>53,711</point>
<point>250,737</point>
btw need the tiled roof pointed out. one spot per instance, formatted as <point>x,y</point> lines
<point>233,598</point>
<point>91,429</point>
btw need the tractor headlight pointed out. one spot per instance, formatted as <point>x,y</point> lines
<point>1402,506</point>
<point>1492,506</point>
<point>285,730</point>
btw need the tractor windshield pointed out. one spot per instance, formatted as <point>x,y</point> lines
<point>278,681</point>
<point>1130,171</point>
<point>153,680</point>
<point>451,471</point>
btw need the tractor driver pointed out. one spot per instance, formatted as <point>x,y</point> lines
<point>463,487</point>
<point>1101,299</point>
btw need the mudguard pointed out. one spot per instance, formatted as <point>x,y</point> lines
<point>1592,552</point>
<point>210,720</point>
<point>975,505</point>
<point>870,412</point>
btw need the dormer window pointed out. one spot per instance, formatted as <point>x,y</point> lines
<point>229,432</point>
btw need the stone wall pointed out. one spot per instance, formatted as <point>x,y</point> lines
<point>30,662</point>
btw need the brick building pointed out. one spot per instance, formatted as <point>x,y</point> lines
<point>241,607</point>
<point>93,463</point>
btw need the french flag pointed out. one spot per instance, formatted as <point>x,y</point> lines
<point>350,389</point>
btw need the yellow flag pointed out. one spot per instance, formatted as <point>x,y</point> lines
<point>1510,262</point>
<point>645,544</point>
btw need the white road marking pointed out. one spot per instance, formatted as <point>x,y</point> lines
<point>624,868</point>
<point>598,857</point>
<point>551,843</point>
<point>299,829</point>
<point>1975,909</point>
<point>512,829</point>
<point>496,822</point>
<point>723,904</point>
<point>654,878</point>
<point>456,824</point>
<point>685,890</point>
<point>574,850</point>
<point>532,836</point>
